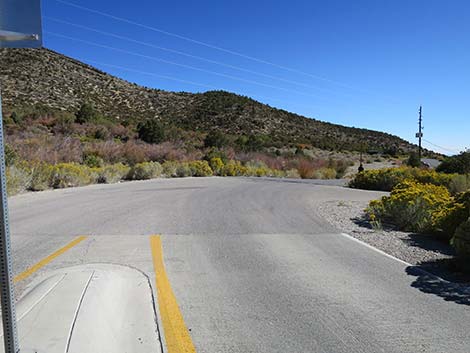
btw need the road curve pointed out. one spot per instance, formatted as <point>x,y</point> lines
<point>253,267</point>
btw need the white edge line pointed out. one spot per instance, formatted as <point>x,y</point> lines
<point>377,250</point>
<point>416,267</point>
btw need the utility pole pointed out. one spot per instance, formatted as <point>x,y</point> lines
<point>419,135</point>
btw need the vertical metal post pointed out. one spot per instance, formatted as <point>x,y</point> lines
<point>10,335</point>
<point>420,133</point>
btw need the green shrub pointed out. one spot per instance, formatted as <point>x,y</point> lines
<point>17,119</point>
<point>456,164</point>
<point>10,155</point>
<point>66,175</point>
<point>169,169</point>
<point>461,243</point>
<point>340,166</point>
<point>413,160</point>
<point>112,173</point>
<point>18,179</point>
<point>93,161</point>
<point>252,143</point>
<point>200,169</point>
<point>151,131</point>
<point>411,206</point>
<point>101,133</point>
<point>459,183</point>
<point>145,170</point>
<point>86,114</point>
<point>216,139</point>
<point>217,165</point>
<point>183,170</point>
<point>216,153</point>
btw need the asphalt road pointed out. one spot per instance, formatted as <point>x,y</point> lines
<point>253,268</point>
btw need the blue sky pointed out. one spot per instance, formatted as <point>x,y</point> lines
<point>362,63</point>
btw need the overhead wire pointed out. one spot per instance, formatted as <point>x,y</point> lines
<point>442,148</point>
<point>184,65</point>
<point>182,53</point>
<point>172,78</point>
<point>208,45</point>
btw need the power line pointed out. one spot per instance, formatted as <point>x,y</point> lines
<point>151,74</point>
<point>184,65</point>
<point>172,78</point>
<point>188,39</point>
<point>442,148</point>
<point>147,44</point>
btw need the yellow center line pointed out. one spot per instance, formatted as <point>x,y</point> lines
<point>48,259</point>
<point>177,335</point>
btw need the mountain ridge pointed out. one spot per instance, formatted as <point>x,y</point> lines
<point>50,80</point>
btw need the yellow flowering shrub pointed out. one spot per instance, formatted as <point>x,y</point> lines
<point>173,169</point>
<point>66,175</point>
<point>277,173</point>
<point>386,179</point>
<point>217,165</point>
<point>461,243</point>
<point>449,218</point>
<point>234,168</point>
<point>260,169</point>
<point>324,173</point>
<point>18,179</point>
<point>200,169</point>
<point>111,173</point>
<point>41,176</point>
<point>411,206</point>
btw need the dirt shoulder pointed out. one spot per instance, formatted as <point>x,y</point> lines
<point>425,251</point>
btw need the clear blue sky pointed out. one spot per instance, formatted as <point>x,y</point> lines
<point>362,63</point>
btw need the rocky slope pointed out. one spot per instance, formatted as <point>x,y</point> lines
<point>44,79</point>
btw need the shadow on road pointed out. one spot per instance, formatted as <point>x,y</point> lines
<point>450,291</point>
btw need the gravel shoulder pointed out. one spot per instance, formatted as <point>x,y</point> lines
<point>425,251</point>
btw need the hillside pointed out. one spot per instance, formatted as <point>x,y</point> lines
<point>43,79</point>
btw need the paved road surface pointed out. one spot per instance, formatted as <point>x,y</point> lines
<point>253,268</point>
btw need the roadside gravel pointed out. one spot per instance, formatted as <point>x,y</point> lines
<point>417,249</point>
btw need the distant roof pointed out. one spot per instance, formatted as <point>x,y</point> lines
<point>430,162</point>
